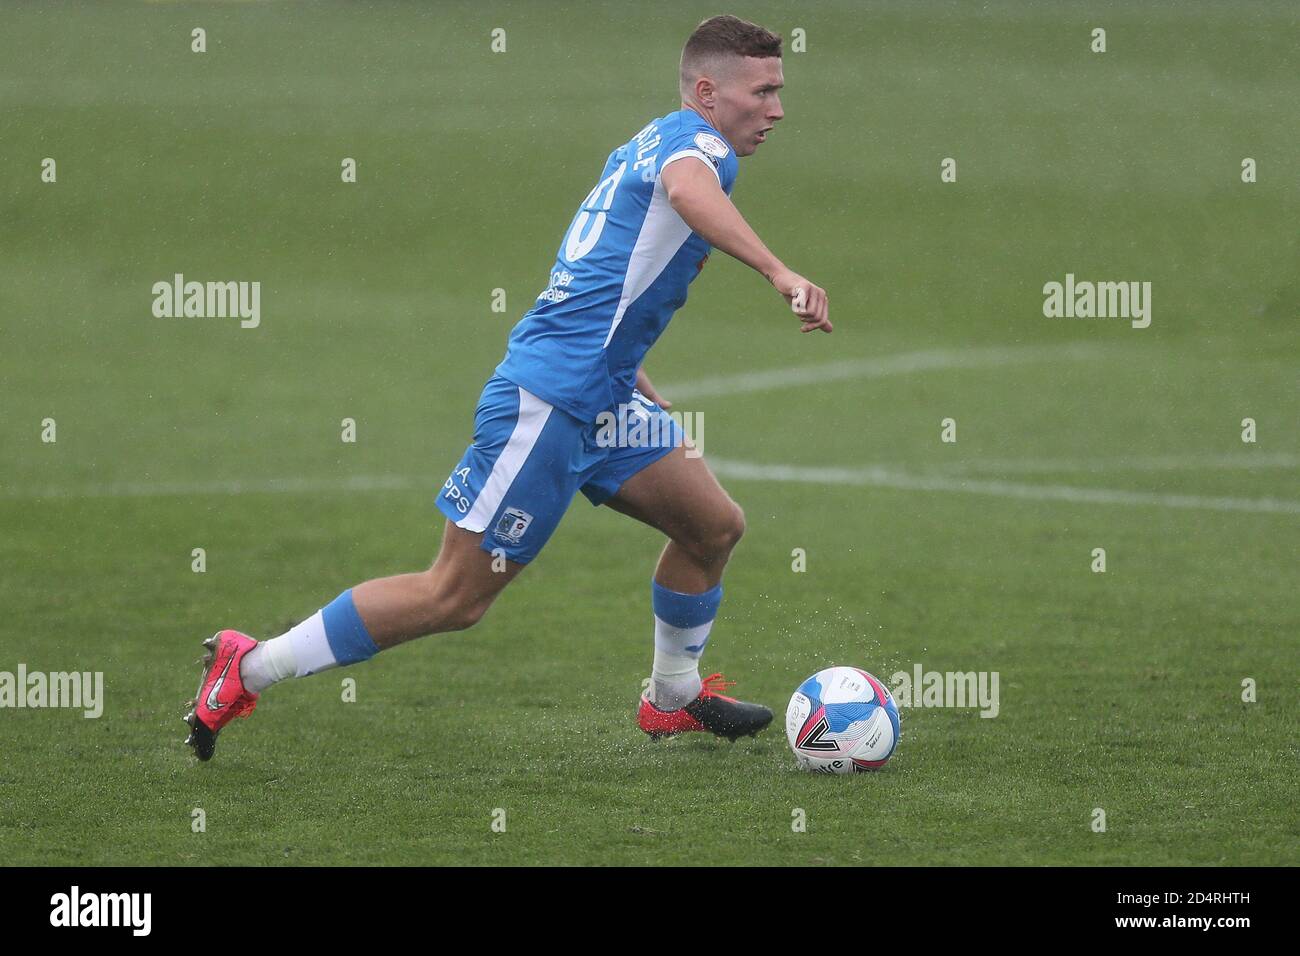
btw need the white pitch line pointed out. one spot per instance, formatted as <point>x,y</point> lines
<point>874,476</point>
<point>1245,460</point>
<point>847,369</point>
<point>903,481</point>
<point>235,486</point>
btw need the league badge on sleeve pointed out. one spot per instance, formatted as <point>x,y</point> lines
<point>712,147</point>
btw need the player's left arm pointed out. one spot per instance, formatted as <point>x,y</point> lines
<point>696,194</point>
<point>648,390</point>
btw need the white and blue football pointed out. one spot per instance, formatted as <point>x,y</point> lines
<point>842,720</point>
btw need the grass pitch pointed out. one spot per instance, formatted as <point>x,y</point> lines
<point>1119,690</point>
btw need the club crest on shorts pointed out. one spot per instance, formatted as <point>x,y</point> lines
<point>512,524</point>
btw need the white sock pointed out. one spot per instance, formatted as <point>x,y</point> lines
<point>675,677</point>
<point>300,651</point>
<point>682,624</point>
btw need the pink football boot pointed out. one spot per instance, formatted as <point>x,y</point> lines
<point>221,696</point>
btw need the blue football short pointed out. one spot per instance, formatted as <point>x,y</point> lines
<point>528,459</point>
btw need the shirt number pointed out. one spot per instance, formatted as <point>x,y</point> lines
<point>590,221</point>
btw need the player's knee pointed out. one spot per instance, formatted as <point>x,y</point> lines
<point>449,607</point>
<point>734,527</point>
<point>457,613</point>
<point>465,615</point>
<point>721,537</point>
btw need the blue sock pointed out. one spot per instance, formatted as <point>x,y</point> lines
<point>333,636</point>
<point>346,633</point>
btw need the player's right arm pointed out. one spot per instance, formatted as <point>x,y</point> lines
<point>697,196</point>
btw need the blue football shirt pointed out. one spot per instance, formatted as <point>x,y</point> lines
<point>621,273</point>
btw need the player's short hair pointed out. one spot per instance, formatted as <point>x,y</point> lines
<point>718,38</point>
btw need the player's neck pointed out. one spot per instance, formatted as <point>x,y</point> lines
<point>703,112</point>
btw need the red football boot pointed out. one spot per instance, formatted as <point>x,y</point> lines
<point>221,696</point>
<point>711,711</point>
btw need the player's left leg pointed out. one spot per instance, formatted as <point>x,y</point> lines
<point>452,595</point>
<point>502,502</point>
<point>676,493</point>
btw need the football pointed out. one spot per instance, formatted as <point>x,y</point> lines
<point>842,720</point>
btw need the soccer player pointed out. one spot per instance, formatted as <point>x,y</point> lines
<point>572,368</point>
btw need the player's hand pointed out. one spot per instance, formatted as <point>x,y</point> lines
<point>807,301</point>
<point>644,386</point>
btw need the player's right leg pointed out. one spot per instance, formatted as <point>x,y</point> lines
<point>672,489</point>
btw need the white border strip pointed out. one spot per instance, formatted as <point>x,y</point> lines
<point>932,360</point>
<point>1247,459</point>
<point>532,418</point>
<point>871,476</point>
<point>233,486</point>
<point>903,481</point>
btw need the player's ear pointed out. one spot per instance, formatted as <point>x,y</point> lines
<point>705,91</point>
